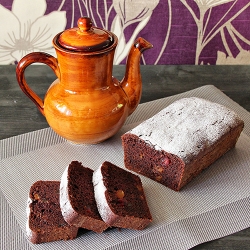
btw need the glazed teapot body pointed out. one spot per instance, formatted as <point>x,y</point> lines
<point>86,104</point>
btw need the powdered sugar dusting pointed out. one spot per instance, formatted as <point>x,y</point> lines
<point>187,127</point>
<point>28,230</point>
<point>65,204</point>
<point>99,190</point>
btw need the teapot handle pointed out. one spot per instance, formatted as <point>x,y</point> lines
<point>34,57</point>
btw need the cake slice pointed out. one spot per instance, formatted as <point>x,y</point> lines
<point>45,222</point>
<point>180,141</point>
<point>77,199</point>
<point>120,197</point>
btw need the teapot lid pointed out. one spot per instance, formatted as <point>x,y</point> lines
<point>85,37</point>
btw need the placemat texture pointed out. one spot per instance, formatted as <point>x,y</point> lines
<point>213,205</point>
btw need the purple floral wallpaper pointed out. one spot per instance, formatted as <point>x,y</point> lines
<point>182,31</point>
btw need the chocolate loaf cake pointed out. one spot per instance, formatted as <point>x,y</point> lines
<point>180,141</point>
<point>77,199</point>
<point>120,197</point>
<point>45,222</point>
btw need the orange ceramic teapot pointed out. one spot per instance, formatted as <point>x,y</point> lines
<point>85,104</point>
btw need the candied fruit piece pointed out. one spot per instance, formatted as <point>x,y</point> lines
<point>120,194</point>
<point>166,161</point>
<point>36,196</point>
<point>158,178</point>
<point>159,169</point>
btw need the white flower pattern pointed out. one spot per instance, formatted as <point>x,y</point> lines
<point>129,12</point>
<point>28,29</point>
<point>242,58</point>
<point>202,20</point>
<point>30,25</point>
<point>211,3</point>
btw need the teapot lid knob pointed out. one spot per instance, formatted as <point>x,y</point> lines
<point>84,23</point>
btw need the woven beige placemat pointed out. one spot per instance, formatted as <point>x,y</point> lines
<point>202,211</point>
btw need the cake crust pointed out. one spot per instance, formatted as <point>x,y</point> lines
<point>180,141</point>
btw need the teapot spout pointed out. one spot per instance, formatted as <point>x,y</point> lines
<point>132,83</point>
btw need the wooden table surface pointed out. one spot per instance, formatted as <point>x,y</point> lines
<point>19,115</point>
